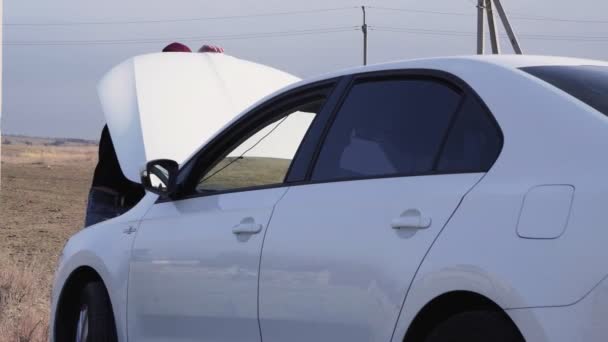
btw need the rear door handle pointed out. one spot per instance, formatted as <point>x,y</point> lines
<point>247,226</point>
<point>411,218</point>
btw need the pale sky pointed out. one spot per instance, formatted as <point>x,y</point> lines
<point>50,90</point>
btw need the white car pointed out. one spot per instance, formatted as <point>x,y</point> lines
<point>447,199</point>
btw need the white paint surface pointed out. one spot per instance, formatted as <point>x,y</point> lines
<point>166,105</point>
<point>545,212</point>
<point>331,260</point>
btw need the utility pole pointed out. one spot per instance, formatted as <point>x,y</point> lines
<point>488,6</point>
<point>481,39</point>
<point>505,21</point>
<point>364,30</point>
<point>494,41</point>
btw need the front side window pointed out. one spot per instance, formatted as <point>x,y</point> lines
<point>587,83</point>
<point>263,158</point>
<point>388,127</point>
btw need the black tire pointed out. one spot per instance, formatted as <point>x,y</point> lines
<point>101,327</point>
<point>476,326</point>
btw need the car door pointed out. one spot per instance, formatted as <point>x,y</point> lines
<point>341,251</point>
<point>195,259</point>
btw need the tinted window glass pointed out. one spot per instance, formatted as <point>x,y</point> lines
<point>263,158</point>
<point>474,141</point>
<point>585,82</point>
<point>387,127</point>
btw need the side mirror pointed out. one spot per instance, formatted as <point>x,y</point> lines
<point>160,176</point>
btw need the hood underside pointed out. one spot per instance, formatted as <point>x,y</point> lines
<point>166,105</point>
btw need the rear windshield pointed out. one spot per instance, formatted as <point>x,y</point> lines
<point>585,82</point>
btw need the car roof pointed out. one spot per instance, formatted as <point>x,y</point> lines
<point>437,63</point>
<point>520,61</point>
<point>503,61</point>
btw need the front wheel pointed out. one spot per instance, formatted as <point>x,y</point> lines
<point>95,320</point>
<point>476,326</point>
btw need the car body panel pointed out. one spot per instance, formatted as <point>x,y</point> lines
<point>106,249</point>
<point>166,105</point>
<point>536,152</point>
<point>333,268</point>
<point>539,282</point>
<point>479,250</point>
<point>191,277</point>
<point>581,321</point>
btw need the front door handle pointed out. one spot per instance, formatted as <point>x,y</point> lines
<point>247,226</point>
<point>411,218</point>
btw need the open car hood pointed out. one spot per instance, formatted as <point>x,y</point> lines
<point>166,105</point>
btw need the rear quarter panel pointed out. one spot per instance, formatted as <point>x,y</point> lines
<point>550,138</point>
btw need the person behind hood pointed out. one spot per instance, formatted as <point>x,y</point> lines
<point>112,194</point>
<point>211,48</point>
<point>176,47</point>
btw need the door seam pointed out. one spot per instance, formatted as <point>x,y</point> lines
<point>139,224</point>
<point>260,260</point>
<point>429,250</point>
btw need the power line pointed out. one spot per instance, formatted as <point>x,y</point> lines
<point>190,38</point>
<point>515,15</point>
<point>393,28</point>
<point>395,9</point>
<point>288,33</point>
<point>577,21</point>
<point>127,22</point>
<point>548,37</point>
<point>423,32</point>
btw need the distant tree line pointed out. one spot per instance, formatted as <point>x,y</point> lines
<point>49,141</point>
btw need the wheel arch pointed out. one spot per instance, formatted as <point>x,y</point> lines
<point>446,305</point>
<point>67,304</point>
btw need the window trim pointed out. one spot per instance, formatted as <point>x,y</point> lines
<point>451,80</point>
<point>337,89</point>
<point>310,147</point>
<point>463,100</point>
<point>233,135</point>
<point>466,100</point>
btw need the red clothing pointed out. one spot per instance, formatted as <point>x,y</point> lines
<point>176,47</point>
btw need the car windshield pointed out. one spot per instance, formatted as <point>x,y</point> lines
<point>587,83</point>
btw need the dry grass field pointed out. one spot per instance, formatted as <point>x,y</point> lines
<point>42,200</point>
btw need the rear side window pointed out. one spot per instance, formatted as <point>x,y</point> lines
<point>585,82</point>
<point>388,127</point>
<point>474,142</point>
